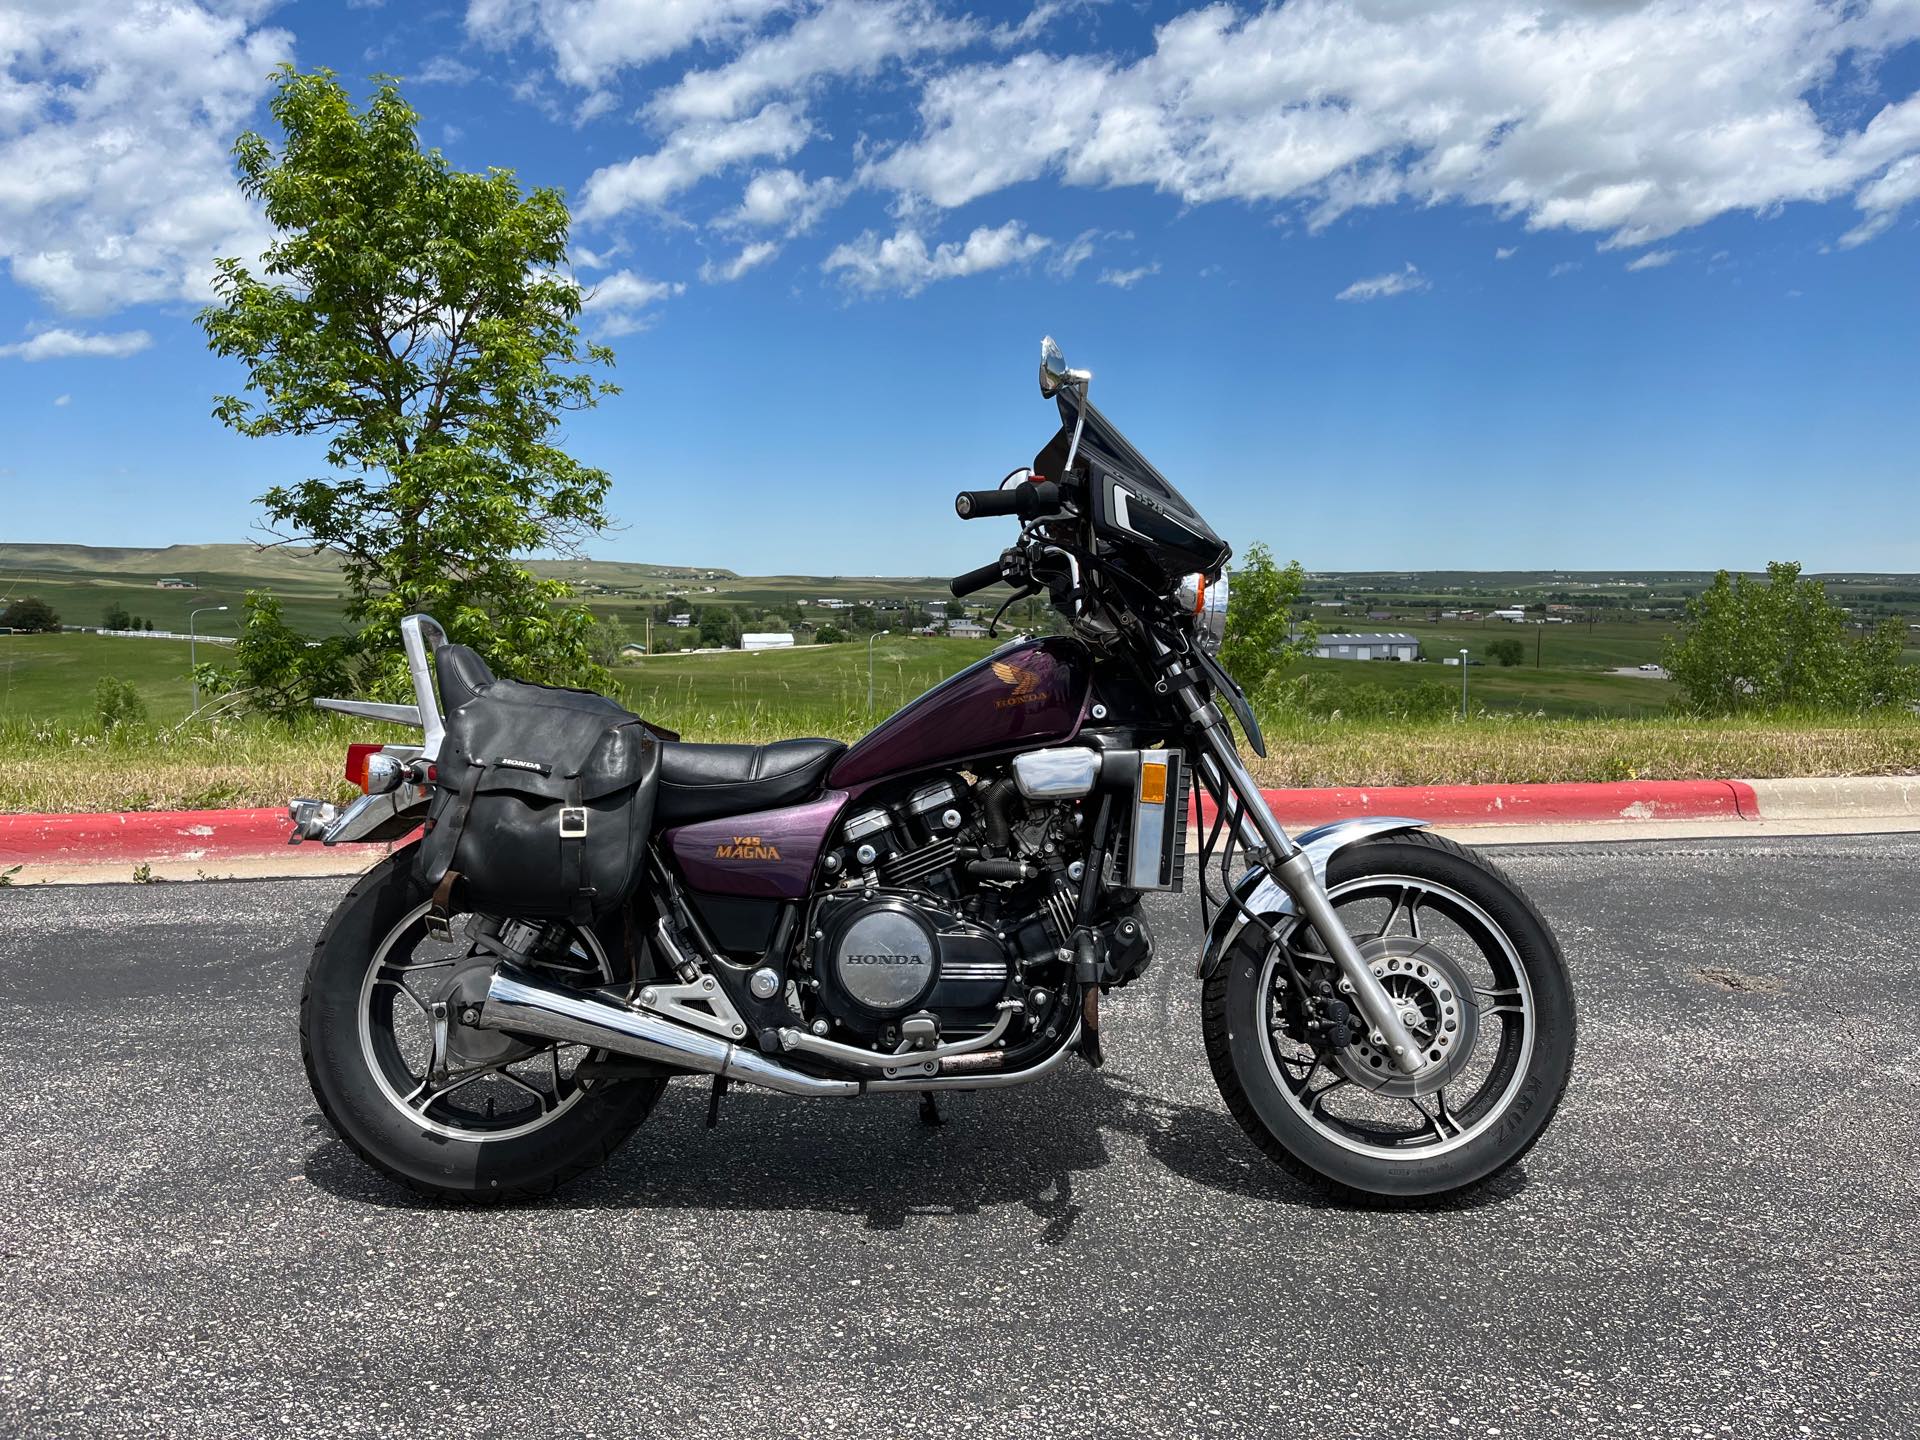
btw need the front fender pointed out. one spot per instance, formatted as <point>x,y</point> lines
<point>1260,895</point>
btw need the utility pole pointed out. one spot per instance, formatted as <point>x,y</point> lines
<point>1537,639</point>
<point>1463,684</point>
<point>870,639</point>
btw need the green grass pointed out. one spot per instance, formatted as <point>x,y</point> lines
<point>52,677</point>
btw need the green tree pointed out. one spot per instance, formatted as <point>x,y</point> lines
<point>421,320</point>
<point>1506,652</point>
<point>1781,644</point>
<point>830,635</point>
<point>719,627</point>
<point>1262,638</point>
<point>275,668</point>
<point>118,617</point>
<point>606,639</point>
<point>29,613</point>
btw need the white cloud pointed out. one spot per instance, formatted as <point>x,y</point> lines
<point>1381,287</point>
<point>1631,121</point>
<point>902,262</point>
<point>782,197</point>
<point>750,258</point>
<point>63,400</point>
<point>115,123</point>
<point>444,70</point>
<point>591,40</point>
<point>73,344</point>
<point>688,156</point>
<point>1884,199</point>
<point>1653,260</point>
<point>1073,255</point>
<point>1505,252</point>
<point>841,38</point>
<point>618,304</point>
<point>1565,267</point>
<point>1127,279</point>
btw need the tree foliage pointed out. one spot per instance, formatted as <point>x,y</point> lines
<point>421,321</point>
<point>1262,639</point>
<point>30,613</point>
<point>1780,644</point>
<point>1506,652</point>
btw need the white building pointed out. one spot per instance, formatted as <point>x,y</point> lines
<point>766,640</point>
<point>966,629</point>
<point>1397,646</point>
<point>1514,614</point>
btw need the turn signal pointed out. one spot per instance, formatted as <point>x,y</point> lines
<point>357,757</point>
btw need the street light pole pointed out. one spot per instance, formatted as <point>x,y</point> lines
<point>1463,684</point>
<point>870,639</point>
<point>192,662</point>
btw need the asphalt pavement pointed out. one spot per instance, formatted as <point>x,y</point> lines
<point>1718,1237</point>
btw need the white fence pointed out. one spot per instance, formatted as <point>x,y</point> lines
<point>147,634</point>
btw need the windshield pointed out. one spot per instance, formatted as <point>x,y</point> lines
<point>1107,452</point>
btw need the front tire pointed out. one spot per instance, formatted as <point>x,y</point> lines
<point>509,1121</point>
<point>1481,980</point>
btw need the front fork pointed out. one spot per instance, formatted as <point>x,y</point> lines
<point>1293,871</point>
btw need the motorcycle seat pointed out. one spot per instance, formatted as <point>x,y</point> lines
<point>706,782</point>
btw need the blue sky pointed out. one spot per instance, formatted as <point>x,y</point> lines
<point>1385,285</point>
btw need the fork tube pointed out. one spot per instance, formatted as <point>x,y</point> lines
<point>1289,865</point>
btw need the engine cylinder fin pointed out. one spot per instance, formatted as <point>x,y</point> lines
<point>918,864</point>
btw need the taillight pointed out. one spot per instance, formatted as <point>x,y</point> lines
<point>357,757</point>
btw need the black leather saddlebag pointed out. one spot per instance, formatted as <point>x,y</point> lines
<point>544,805</point>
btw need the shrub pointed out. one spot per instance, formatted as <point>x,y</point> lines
<point>31,614</point>
<point>117,703</point>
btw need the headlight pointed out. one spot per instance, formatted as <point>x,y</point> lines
<point>1206,601</point>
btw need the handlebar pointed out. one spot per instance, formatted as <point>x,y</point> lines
<point>1029,499</point>
<point>977,579</point>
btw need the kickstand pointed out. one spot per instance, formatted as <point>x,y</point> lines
<point>930,1109</point>
<point>713,1100</point>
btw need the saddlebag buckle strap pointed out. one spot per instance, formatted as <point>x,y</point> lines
<point>573,822</point>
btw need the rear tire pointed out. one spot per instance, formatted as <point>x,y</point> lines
<point>353,1077</point>
<point>1345,1139</point>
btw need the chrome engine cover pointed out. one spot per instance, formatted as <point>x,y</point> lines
<point>884,956</point>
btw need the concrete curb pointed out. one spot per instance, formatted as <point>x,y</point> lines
<point>184,844</point>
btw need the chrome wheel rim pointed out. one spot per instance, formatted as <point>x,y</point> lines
<point>523,1089</point>
<point>1367,1107</point>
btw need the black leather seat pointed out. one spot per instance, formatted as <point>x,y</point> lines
<point>705,782</point>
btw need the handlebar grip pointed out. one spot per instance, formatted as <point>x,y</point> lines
<point>1027,499</point>
<point>980,579</point>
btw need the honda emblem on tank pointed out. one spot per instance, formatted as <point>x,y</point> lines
<point>1025,684</point>
<point>746,847</point>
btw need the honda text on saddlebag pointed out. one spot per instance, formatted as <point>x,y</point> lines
<point>595,906</point>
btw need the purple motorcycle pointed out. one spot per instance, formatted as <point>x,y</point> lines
<point>596,907</point>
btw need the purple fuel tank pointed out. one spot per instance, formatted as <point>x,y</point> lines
<point>1033,693</point>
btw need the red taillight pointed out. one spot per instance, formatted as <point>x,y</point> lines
<point>357,763</point>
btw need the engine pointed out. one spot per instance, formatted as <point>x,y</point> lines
<point>947,902</point>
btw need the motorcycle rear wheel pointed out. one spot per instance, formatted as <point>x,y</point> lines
<point>508,1124</point>
<point>1481,981</point>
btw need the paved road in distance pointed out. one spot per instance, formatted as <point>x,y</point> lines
<point>1718,1237</point>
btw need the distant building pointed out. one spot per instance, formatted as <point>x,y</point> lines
<point>172,584</point>
<point>767,640</point>
<point>632,649</point>
<point>966,629</point>
<point>1379,614</point>
<point>1397,646</point>
<point>680,622</point>
<point>1514,614</point>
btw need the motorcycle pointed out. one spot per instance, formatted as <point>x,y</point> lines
<point>938,907</point>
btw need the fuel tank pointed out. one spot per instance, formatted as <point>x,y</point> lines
<point>1030,693</point>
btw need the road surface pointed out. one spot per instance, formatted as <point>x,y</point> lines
<point>1718,1237</point>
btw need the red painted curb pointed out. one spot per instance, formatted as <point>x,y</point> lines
<point>185,835</point>
<point>1567,804</point>
<point>143,836</point>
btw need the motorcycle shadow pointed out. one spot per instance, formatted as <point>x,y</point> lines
<point>875,1159</point>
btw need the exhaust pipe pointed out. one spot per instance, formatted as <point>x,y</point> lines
<point>518,1001</point>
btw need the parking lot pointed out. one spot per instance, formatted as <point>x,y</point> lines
<point>1718,1237</point>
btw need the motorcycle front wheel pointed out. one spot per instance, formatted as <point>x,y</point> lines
<point>1479,980</point>
<point>496,1118</point>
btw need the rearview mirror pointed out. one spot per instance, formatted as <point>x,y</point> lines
<point>1054,374</point>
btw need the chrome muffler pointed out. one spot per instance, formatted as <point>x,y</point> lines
<point>519,1001</point>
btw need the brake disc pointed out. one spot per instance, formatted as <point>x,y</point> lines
<point>1435,1000</point>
